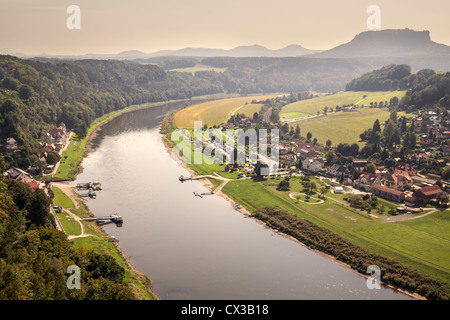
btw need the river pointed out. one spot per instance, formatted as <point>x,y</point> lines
<point>199,248</point>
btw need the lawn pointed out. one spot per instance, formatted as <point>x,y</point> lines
<point>312,106</point>
<point>421,244</point>
<point>61,199</point>
<point>427,239</point>
<point>213,112</point>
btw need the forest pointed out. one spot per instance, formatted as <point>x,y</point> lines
<point>38,95</point>
<point>425,87</point>
<point>34,255</point>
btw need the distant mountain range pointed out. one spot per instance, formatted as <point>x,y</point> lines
<point>238,52</point>
<point>399,46</point>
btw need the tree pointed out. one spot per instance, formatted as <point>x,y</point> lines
<point>309,136</point>
<point>322,191</point>
<point>39,209</point>
<point>329,156</point>
<point>311,186</point>
<point>446,173</point>
<point>376,126</point>
<point>25,92</point>
<point>442,197</point>
<point>299,164</point>
<point>283,185</point>
<point>328,143</point>
<point>297,132</point>
<point>370,168</point>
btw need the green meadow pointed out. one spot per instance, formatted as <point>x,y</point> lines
<point>312,106</point>
<point>342,127</point>
<point>422,244</point>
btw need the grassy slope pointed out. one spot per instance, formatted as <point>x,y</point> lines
<point>343,127</point>
<point>311,106</point>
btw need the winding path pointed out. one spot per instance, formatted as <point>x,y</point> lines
<point>69,191</point>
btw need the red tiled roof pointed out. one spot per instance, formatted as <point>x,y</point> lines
<point>430,190</point>
<point>388,190</point>
<point>34,185</point>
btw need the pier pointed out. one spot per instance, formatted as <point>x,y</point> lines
<point>114,218</point>
<point>95,185</point>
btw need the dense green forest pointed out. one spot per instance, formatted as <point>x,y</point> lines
<point>36,95</point>
<point>34,255</point>
<point>426,87</point>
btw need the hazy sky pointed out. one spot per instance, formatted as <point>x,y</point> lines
<point>38,26</point>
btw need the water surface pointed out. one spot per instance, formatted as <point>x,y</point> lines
<point>199,248</point>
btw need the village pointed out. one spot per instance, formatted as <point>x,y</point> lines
<point>402,179</point>
<point>407,180</point>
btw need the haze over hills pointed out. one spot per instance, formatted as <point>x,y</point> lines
<point>387,43</point>
<point>238,52</point>
<point>383,47</point>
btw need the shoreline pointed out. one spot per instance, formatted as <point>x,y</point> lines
<point>88,149</point>
<point>240,208</point>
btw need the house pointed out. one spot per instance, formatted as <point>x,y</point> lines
<point>305,153</point>
<point>17,174</point>
<point>445,150</point>
<point>34,185</point>
<point>57,135</point>
<point>313,165</point>
<point>11,144</point>
<point>378,162</point>
<point>426,194</point>
<point>405,168</point>
<point>366,181</point>
<point>338,170</point>
<point>47,147</point>
<point>388,193</point>
<point>397,181</point>
<point>338,190</point>
<point>359,163</point>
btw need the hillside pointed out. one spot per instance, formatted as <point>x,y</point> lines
<point>426,87</point>
<point>387,43</point>
<point>36,96</point>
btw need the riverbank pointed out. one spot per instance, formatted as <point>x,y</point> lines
<point>241,208</point>
<point>138,282</point>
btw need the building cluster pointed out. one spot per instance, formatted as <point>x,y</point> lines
<point>17,174</point>
<point>401,182</point>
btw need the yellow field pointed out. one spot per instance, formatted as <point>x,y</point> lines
<point>213,112</point>
<point>249,109</point>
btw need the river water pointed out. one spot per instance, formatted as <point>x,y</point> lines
<point>199,248</point>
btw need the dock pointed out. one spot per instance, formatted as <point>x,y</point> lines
<point>114,218</point>
<point>90,194</point>
<point>94,185</point>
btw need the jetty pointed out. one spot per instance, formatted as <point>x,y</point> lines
<point>91,194</point>
<point>114,218</point>
<point>94,185</point>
